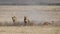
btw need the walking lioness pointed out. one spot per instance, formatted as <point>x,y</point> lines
<point>14,19</point>
<point>26,20</point>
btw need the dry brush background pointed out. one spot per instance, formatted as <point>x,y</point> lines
<point>47,17</point>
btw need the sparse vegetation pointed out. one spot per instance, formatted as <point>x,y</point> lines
<point>29,30</point>
<point>28,24</point>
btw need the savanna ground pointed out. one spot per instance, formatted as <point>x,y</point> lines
<point>29,30</point>
<point>43,13</point>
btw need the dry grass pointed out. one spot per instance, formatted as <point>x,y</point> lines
<point>29,30</point>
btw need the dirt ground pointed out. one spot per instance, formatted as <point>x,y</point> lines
<point>29,30</point>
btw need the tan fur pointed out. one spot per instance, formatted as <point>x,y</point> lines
<point>14,19</point>
<point>26,20</point>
